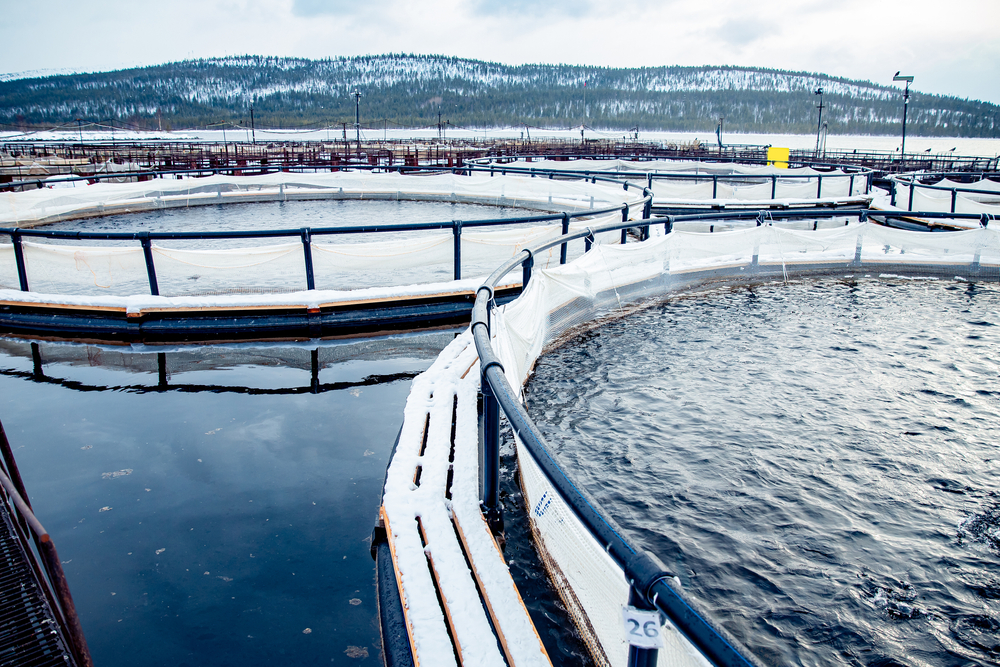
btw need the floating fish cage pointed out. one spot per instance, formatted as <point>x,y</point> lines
<point>591,250</point>
<point>448,569</point>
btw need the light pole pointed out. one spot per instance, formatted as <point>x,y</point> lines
<point>357,115</point>
<point>906,101</point>
<point>819,124</point>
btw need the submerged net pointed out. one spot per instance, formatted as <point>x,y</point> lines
<point>613,280</point>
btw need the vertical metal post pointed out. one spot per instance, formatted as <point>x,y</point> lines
<point>640,657</point>
<point>147,253</point>
<point>456,231</point>
<point>715,185</point>
<point>913,181</point>
<point>954,196</point>
<point>892,198</point>
<point>58,578</point>
<point>491,457</point>
<point>22,271</point>
<point>526,267</point>
<point>307,253</point>
<point>850,188</point>
<point>11,465</point>
<point>588,241</point>
<point>565,231</point>
<point>774,185</point>
<point>624,234</point>
<point>819,186</point>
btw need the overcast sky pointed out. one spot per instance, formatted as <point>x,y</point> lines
<point>951,47</point>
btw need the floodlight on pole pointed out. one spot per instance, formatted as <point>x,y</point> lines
<point>906,101</point>
<point>819,125</point>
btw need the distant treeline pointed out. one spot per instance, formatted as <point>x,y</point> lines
<point>410,91</point>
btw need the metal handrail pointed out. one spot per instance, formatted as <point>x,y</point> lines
<point>912,184</point>
<point>49,571</point>
<point>305,234</point>
<point>648,577</point>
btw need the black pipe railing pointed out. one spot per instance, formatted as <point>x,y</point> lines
<point>43,559</point>
<point>849,170</point>
<point>305,235</point>
<point>649,579</point>
<point>910,181</point>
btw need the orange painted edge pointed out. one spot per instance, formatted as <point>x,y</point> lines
<point>489,604</point>
<point>399,584</point>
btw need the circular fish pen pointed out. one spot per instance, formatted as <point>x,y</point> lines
<point>598,568</point>
<point>145,282</point>
<point>311,280</point>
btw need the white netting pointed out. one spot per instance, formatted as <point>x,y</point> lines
<point>8,267</point>
<point>938,200</point>
<point>276,268</point>
<point>58,269</point>
<point>614,278</point>
<point>733,181</point>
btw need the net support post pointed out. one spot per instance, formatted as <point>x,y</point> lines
<point>565,231</point>
<point>954,198</point>
<point>526,267</point>
<point>308,256</point>
<point>491,457</point>
<point>22,271</point>
<point>909,206</point>
<point>774,186</point>
<point>641,657</point>
<point>456,232</point>
<point>147,254</point>
<point>819,186</point>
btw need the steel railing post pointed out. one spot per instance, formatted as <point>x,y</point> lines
<point>456,232</point>
<point>22,270</point>
<point>491,457</point>
<point>565,231</point>
<point>147,253</point>
<point>641,657</point>
<point>308,256</point>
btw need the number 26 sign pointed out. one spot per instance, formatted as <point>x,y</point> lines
<point>642,628</point>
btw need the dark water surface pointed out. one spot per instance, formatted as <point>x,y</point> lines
<point>211,515</point>
<point>819,462</point>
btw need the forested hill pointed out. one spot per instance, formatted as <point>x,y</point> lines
<point>410,91</point>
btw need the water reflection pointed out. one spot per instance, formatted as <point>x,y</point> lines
<point>213,503</point>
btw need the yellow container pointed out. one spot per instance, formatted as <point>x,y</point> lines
<point>778,157</point>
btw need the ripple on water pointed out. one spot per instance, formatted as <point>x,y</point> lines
<point>817,461</point>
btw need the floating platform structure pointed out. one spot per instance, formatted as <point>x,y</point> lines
<point>593,250</point>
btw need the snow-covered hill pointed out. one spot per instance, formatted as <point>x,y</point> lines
<point>407,89</point>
